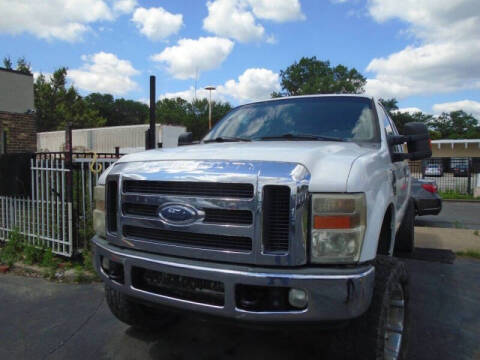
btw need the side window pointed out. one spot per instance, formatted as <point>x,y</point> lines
<point>386,123</point>
<point>390,128</point>
<point>398,148</point>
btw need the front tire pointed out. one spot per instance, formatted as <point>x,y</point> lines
<point>405,239</point>
<point>382,332</point>
<point>135,314</point>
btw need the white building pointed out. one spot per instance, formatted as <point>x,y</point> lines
<point>129,138</point>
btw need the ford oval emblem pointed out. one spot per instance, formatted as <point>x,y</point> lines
<point>178,214</point>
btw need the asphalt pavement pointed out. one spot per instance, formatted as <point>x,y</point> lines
<point>45,320</point>
<point>464,215</point>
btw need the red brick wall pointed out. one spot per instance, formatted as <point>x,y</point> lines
<point>21,132</point>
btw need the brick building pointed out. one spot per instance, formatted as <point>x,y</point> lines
<point>17,119</point>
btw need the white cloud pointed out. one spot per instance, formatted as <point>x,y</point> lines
<point>230,18</point>
<point>254,84</point>
<point>66,20</point>
<point>410,110</point>
<point>46,75</point>
<point>190,56</point>
<point>448,32</point>
<point>104,72</point>
<point>157,23</point>
<point>124,6</point>
<point>190,94</point>
<point>236,19</point>
<point>279,10</point>
<point>469,106</point>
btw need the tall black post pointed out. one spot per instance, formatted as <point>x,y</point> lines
<point>151,134</point>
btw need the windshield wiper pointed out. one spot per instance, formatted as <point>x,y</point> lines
<point>226,139</point>
<point>293,136</point>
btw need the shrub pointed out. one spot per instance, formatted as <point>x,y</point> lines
<point>32,254</point>
<point>12,252</point>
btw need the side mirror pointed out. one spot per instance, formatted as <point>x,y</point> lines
<point>185,139</point>
<point>418,142</point>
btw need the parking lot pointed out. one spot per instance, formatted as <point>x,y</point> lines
<point>464,215</point>
<point>45,320</point>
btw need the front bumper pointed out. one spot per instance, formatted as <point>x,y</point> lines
<point>428,206</point>
<point>334,293</point>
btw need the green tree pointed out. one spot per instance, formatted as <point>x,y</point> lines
<point>103,103</point>
<point>128,112</point>
<point>118,112</point>
<point>401,118</point>
<point>24,66</point>
<point>56,104</point>
<point>7,63</point>
<point>173,111</point>
<point>313,76</point>
<point>193,115</point>
<point>389,104</point>
<point>455,125</point>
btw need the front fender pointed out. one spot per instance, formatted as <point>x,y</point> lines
<point>371,175</point>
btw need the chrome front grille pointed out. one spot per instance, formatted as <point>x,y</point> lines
<point>243,212</point>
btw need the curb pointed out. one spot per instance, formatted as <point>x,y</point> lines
<point>462,200</point>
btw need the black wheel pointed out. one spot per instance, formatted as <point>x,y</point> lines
<point>135,314</point>
<point>382,332</point>
<point>405,239</point>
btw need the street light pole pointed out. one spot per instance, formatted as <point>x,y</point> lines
<point>210,88</point>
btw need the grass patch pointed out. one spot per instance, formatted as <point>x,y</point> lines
<point>455,195</point>
<point>16,249</point>
<point>475,254</point>
<point>476,233</point>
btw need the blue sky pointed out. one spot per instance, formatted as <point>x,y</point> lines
<point>425,53</point>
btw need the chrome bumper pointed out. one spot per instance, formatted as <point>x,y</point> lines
<point>334,294</point>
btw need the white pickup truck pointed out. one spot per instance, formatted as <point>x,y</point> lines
<point>289,211</point>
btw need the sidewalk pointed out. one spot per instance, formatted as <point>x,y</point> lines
<point>443,238</point>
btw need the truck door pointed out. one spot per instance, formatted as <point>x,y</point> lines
<point>400,170</point>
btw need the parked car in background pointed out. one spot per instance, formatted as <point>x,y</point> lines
<point>433,170</point>
<point>461,170</point>
<point>426,198</point>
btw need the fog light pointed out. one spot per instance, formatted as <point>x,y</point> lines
<point>298,298</point>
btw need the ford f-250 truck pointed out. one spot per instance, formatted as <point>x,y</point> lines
<point>289,211</point>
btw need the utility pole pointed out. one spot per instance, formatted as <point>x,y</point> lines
<point>210,88</point>
<point>152,129</point>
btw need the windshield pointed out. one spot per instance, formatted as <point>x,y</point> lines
<point>335,117</point>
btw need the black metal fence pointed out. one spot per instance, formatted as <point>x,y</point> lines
<point>455,175</point>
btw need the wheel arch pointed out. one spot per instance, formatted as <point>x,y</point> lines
<point>386,240</point>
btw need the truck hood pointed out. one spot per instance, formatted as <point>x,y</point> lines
<point>328,162</point>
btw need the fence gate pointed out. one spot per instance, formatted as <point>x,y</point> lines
<point>86,171</point>
<point>44,218</point>
<point>58,212</point>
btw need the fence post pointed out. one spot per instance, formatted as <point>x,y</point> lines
<point>69,183</point>
<point>469,169</point>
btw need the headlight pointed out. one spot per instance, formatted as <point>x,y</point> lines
<point>99,211</point>
<point>338,227</point>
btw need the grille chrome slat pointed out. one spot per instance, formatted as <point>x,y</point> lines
<point>196,240</point>
<point>229,190</point>
<point>219,216</point>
